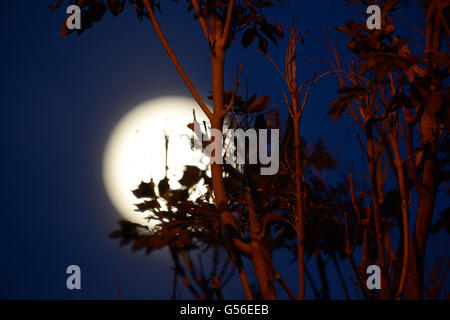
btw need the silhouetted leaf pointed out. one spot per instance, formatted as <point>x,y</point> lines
<point>248,37</point>
<point>259,104</point>
<point>148,205</point>
<point>339,105</point>
<point>163,186</point>
<point>263,45</point>
<point>352,90</point>
<point>443,222</point>
<point>191,176</point>
<point>145,190</point>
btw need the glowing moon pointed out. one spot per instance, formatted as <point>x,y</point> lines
<point>135,151</point>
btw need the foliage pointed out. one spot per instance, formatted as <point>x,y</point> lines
<point>390,93</point>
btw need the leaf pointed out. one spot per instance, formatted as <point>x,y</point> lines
<point>367,65</point>
<point>55,5</point>
<point>272,217</point>
<point>163,186</point>
<point>64,30</point>
<point>352,90</point>
<point>270,32</point>
<point>263,45</point>
<point>279,31</point>
<point>175,196</point>
<point>441,58</point>
<point>320,158</point>
<point>116,234</point>
<point>191,176</point>
<point>389,29</point>
<point>147,205</point>
<point>339,105</point>
<point>139,243</point>
<point>443,222</point>
<point>344,30</point>
<point>399,100</point>
<point>97,10</point>
<point>116,6</point>
<point>145,190</point>
<point>383,63</point>
<point>259,104</point>
<point>248,37</point>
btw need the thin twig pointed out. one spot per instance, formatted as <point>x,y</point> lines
<point>175,61</point>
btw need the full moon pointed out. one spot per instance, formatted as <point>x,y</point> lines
<point>135,151</point>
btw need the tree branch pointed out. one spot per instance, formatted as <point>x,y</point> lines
<point>175,61</point>
<point>233,97</point>
<point>202,20</point>
<point>226,30</point>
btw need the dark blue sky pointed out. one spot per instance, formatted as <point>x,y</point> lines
<point>60,99</point>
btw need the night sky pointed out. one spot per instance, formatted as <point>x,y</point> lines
<point>60,99</point>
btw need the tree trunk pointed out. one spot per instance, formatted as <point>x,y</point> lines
<point>261,259</point>
<point>300,219</point>
<point>427,199</point>
<point>263,271</point>
<point>430,137</point>
<point>258,257</point>
<point>229,225</point>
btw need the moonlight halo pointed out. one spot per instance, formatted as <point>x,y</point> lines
<point>135,150</point>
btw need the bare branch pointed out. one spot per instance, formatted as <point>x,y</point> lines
<point>202,20</point>
<point>175,61</point>
<point>274,64</point>
<point>313,81</point>
<point>227,28</point>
